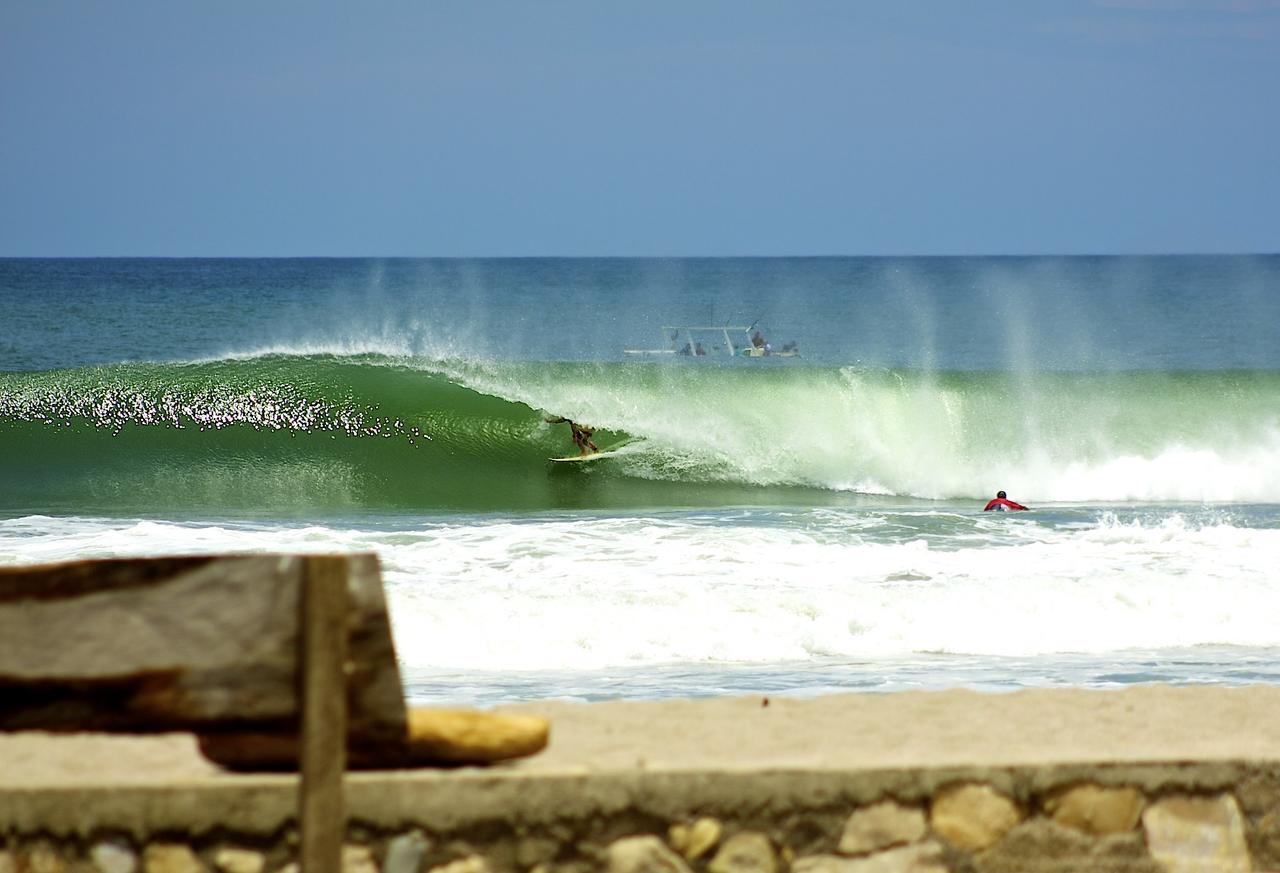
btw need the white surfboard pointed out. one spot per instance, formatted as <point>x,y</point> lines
<point>594,456</point>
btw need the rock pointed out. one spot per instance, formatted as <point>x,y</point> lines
<point>1266,841</point>
<point>923,857</point>
<point>746,852</point>
<point>1259,798</point>
<point>678,837</point>
<point>469,864</point>
<point>230,859</point>
<point>404,853</point>
<point>171,858</point>
<point>578,865</point>
<point>823,864</point>
<point>40,857</point>
<point>1044,846</point>
<point>358,859</point>
<point>694,841</point>
<point>646,854</point>
<point>1197,833</point>
<point>7,863</point>
<point>973,816</point>
<point>1093,809</point>
<point>880,826</point>
<point>113,857</point>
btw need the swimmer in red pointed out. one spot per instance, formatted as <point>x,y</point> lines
<point>1001,503</point>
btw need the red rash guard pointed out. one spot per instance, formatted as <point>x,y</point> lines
<point>1000,502</point>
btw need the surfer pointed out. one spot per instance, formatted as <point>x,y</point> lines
<point>1001,503</point>
<point>581,434</point>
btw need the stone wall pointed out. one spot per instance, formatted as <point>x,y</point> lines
<point>1070,819</point>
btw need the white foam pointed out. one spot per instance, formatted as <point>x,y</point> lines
<point>853,430</point>
<point>584,592</point>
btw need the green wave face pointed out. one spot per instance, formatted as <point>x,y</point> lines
<point>297,435</point>
<point>278,435</point>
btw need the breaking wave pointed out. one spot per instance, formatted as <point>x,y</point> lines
<point>304,432</point>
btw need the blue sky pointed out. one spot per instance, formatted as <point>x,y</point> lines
<point>657,128</point>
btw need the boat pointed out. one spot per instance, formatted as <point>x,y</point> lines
<point>732,340</point>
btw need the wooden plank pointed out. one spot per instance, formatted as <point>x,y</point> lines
<point>203,643</point>
<point>436,737</point>
<point>324,713</point>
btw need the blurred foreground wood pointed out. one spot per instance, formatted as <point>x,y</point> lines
<point>215,645</point>
<point>275,661</point>
<point>193,643</point>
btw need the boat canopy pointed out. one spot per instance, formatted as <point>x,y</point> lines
<point>716,340</point>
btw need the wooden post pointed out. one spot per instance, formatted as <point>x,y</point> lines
<point>322,810</point>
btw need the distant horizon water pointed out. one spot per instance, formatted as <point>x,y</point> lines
<point>1232,253</point>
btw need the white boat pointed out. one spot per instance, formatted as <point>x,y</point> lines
<point>731,340</point>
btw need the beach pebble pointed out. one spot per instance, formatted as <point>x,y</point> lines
<point>358,859</point>
<point>1188,834</point>
<point>404,853</point>
<point>881,826</point>
<point>171,858</point>
<point>747,852</point>
<point>923,857</point>
<point>469,864</point>
<point>1267,840</point>
<point>230,859</point>
<point>1043,844</point>
<point>113,857</point>
<point>1095,810</point>
<point>646,854</point>
<point>973,816</point>
<point>695,840</point>
<point>1259,799</point>
<point>40,857</point>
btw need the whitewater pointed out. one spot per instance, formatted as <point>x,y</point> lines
<point>777,525</point>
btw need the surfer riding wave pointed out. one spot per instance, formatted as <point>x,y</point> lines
<point>581,434</point>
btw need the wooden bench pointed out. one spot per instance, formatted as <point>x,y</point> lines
<point>273,661</point>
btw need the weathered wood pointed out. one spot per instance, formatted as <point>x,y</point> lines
<point>212,645</point>
<point>203,643</point>
<point>324,713</point>
<point>436,736</point>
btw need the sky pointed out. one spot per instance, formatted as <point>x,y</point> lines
<point>596,128</point>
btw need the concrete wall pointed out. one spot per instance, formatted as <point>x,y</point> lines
<point>1214,816</point>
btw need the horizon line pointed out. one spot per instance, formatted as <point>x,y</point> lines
<point>650,257</point>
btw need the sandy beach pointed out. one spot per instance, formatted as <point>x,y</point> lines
<point>1146,724</point>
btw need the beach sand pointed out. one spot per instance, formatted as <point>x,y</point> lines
<point>1142,724</point>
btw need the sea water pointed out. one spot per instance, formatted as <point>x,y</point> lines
<point>769,525</point>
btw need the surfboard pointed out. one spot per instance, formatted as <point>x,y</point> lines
<point>594,456</point>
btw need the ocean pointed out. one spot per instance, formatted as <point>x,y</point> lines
<point>772,524</point>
